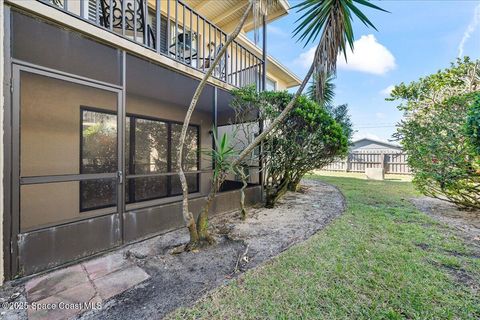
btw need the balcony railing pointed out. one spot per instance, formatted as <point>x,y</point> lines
<point>173,29</point>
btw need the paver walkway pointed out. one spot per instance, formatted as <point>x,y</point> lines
<point>73,290</point>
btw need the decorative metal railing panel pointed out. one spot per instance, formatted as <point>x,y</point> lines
<point>173,29</point>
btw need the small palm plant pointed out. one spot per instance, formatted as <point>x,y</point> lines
<point>222,155</point>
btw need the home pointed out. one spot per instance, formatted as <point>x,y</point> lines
<point>374,146</point>
<point>95,92</point>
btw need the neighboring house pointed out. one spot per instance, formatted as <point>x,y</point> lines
<point>374,146</point>
<point>370,153</point>
<point>96,93</point>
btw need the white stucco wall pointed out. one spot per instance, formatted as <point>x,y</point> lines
<point>1,140</point>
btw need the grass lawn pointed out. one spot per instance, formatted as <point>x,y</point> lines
<point>382,259</point>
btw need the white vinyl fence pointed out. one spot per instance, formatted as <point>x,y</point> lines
<point>359,160</point>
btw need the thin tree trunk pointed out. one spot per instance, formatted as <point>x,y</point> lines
<point>187,215</point>
<point>277,193</point>
<point>277,120</point>
<point>243,210</point>
<point>294,185</point>
<point>202,221</point>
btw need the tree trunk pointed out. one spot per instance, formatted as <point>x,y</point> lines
<point>275,122</point>
<point>276,193</point>
<point>262,136</point>
<point>294,185</point>
<point>204,236</point>
<point>187,215</point>
<point>243,210</point>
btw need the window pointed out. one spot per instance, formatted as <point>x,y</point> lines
<point>147,153</point>
<point>190,160</point>
<point>150,149</point>
<point>270,85</point>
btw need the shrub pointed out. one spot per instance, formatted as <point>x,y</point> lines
<point>309,138</point>
<point>436,135</point>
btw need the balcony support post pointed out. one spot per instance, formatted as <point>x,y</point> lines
<point>260,121</point>
<point>264,53</point>
<point>214,120</point>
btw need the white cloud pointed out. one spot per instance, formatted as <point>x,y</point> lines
<point>277,31</point>
<point>380,115</point>
<point>387,90</point>
<point>368,56</point>
<point>470,29</point>
<point>305,59</point>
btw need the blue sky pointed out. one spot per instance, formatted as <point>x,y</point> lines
<point>417,38</point>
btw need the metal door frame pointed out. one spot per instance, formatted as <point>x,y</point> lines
<point>16,181</point>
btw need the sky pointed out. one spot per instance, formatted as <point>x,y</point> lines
<point>415,39</point>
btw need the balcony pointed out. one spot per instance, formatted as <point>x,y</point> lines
<point>171,29</point>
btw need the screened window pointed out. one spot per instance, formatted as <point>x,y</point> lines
<point>98,155</point>
<point>149,152</point>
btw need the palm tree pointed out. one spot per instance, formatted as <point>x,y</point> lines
<point>197,229</point>
<point>330,18</point>
<point>333,20</point>
<point>328,91</point>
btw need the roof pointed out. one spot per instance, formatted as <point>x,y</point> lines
<point>388,144</point>
<point>225,13</point>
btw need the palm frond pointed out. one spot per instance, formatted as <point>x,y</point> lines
<point>261,8</point>
<point>332,20</point>
<point>328,90</point>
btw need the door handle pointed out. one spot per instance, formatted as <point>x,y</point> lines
<point>120,177</point>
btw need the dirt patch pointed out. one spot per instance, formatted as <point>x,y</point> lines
<point>467,223</point>
<point>180,279</point>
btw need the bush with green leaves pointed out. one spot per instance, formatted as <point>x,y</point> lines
<point>472,126</point>
<point>439,132</point>
<point>308,139</point>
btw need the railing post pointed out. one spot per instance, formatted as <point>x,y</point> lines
<point>169,33</point>
<point>264,53</point>
<point>123,18</point>
<point>110,17</point>
<point>145,23</point>
<point>158,25</point>
<point>191,39</point>
<point>176,29</point>
<point>214,120</point>
<point>226,62</point>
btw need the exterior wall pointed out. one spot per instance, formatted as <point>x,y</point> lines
<point>281,84</point>
<point>1,139</point>
<point>285,78</point>
<point>40,109</point>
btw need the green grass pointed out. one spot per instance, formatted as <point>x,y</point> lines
<point>382,259</point>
